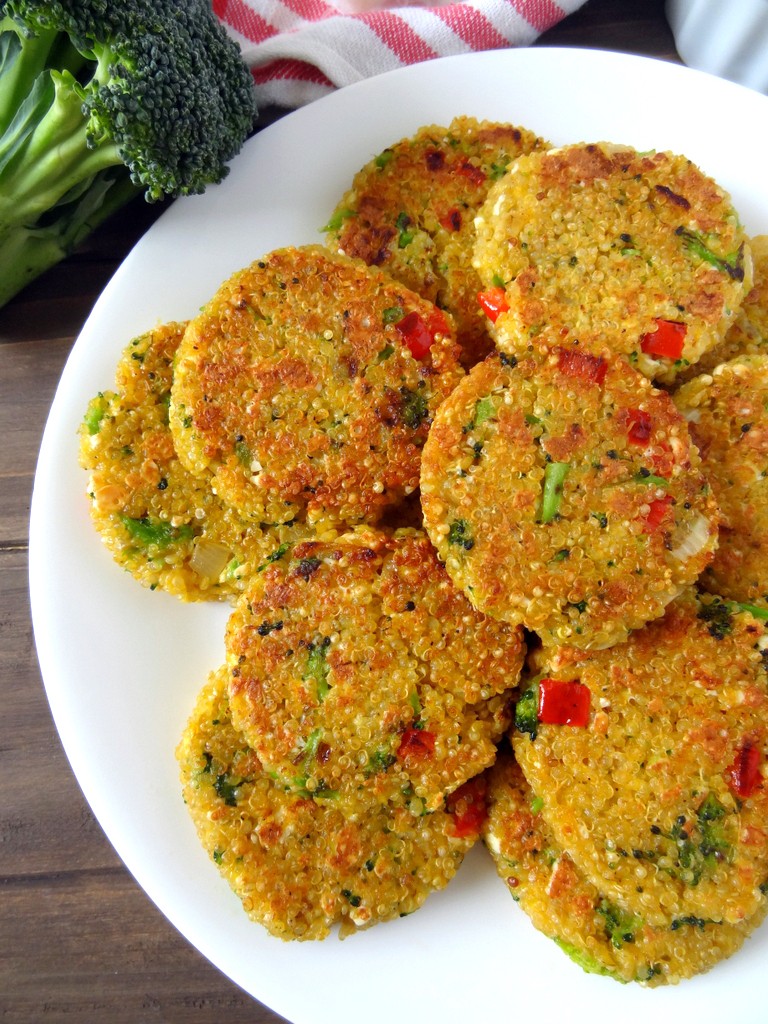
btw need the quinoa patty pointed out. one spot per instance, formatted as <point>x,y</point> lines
<point>748,334</point>
<point>727,415</point>
<point>306,388</point>
<point>649,761</point>
<point>601,936</point>
<point>411,211</point>
<point>159,522</point>
<point>300,867</point>
<point>599,238</point>
<point>562,492</point>
<point>359,673</point>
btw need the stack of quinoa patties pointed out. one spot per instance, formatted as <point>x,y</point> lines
<point>569,487</point>
<point>471,426</point>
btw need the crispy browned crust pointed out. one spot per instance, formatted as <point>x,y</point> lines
<point>356,668</point>
<point>160,522</point>
<point>748,334</point>
<point>297,864</point>
<point>650,798</point>
<point>597,239</point>
<point>600,934</point>
<point>635,521</point>
<point>295,389</point>
<point>411,211</point>
<point>728,421</point>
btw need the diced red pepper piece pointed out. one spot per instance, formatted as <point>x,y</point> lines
<point>468,805</point>
<point>563,702</point>
<point>438,324</point>
<point>657,513</point>
<point>744,774</point>
<point>667,340</point>
<point>451,220</point>
<point>416,744</point>
<point>475,174</point>
<point>575,363</point>
<point>640,426</point>
<point>416,334</point>
<point>493,302</point>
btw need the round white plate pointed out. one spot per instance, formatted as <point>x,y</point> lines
<point>122,665</point>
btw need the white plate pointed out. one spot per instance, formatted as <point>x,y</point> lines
<point>122,665</point>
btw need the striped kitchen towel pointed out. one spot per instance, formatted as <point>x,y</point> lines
<point>300,50</point>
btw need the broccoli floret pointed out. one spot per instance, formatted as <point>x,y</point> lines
<point>101,100</point>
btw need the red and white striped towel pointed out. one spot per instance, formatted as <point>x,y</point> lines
<point>300,50</point>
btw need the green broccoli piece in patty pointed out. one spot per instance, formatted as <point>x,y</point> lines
<point>460,535</point>
<point>718,617</point>
<point>620,926</point>
<point>527,711</point>
<point>148,531</point>
<point>586,961</point>
<point>100,101</point>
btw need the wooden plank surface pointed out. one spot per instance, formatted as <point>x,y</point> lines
<point>79,941</point>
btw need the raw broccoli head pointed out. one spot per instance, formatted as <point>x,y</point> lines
<point>99,99</point>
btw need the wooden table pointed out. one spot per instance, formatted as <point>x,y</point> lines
<point>79,941</point>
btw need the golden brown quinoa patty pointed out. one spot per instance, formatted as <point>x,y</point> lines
<point>358,673</point>
<point>298,389</point>
<point>748,334</point>
<point>659,798</point>
<point>300,867</point>
<point>411,211</point>
<point>596,238</point>
<point>601,936</point>
<point>159,522</point>
<point>562,492</point>
<point>727,415</point>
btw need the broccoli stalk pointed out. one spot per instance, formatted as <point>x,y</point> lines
<point>100,102</point>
